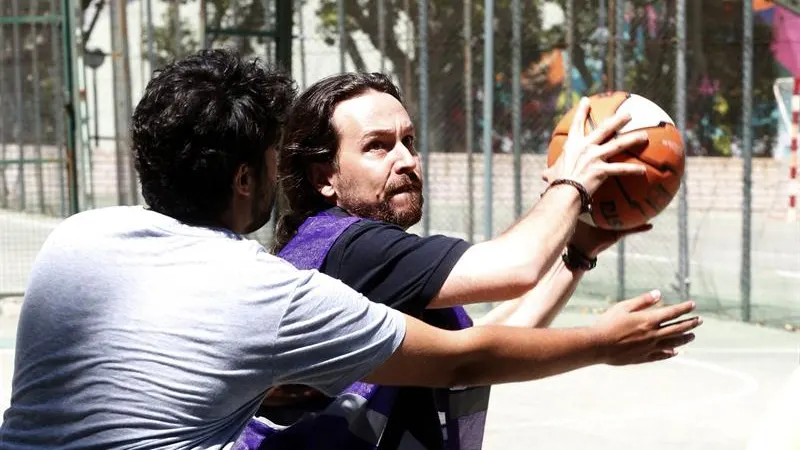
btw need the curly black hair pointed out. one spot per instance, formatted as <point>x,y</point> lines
<point>311,137</point>
<point>199,120</point>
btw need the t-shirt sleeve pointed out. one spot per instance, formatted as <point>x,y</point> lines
<point>331,336</point>
<point>391,266</point>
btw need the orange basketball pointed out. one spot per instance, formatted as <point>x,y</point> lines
<point>625,202</point>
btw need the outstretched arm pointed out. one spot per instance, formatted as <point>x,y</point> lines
<point>631,332</point>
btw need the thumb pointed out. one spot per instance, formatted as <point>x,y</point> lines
<point>639,229</point>
<point>641,302</point>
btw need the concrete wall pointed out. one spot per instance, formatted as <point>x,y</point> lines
<point>713,183</point>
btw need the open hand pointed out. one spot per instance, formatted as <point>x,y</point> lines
<point>634,331</point>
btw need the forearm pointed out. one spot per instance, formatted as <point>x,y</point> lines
<point>539,237</point>
<point>510,265</point>
<point>502,355</point>
<point>539,307</point>
<point>485,355</point>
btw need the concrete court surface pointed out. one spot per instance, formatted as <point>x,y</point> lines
<point>715,395</point>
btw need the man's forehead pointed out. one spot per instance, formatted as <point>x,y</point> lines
<point>371,113</point>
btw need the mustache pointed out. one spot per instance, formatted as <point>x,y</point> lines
<point>407,184</point>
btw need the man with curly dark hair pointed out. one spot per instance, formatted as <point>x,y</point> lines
<point>163,327</point>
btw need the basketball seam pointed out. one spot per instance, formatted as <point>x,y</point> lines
<point>628,199</point>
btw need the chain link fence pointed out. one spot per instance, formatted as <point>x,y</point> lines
<point>485,82</point>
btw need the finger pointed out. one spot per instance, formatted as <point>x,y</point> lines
<point>679,327</point>
<point>641,302</point>
<point>617,169</point>
<point>662,355</point>
<point>608,128</point>
<point>579,121</point>
<point>639,229</point>
<point>671,312</point>
<point>673,342</point>
<point>621,143</point>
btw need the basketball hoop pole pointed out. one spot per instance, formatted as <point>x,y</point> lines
<point>794,131</point>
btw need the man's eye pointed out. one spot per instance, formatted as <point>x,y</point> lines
<point>376,145</point>
<point>408,141</point>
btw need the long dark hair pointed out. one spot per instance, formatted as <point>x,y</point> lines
<point>309,138</point>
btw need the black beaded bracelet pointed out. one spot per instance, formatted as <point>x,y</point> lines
<point>574,259</point>
<point>586,199</point>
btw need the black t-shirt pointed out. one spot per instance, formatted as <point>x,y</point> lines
<point>404,271</point>
<point>393,267</point>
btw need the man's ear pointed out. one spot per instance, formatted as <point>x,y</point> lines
<point>242,181</point>
<point>321,176</point>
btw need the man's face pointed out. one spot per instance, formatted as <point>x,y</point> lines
<point>264,197</point>
<point>378,173</point>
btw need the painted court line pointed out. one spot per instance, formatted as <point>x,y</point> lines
<point>788,274</point>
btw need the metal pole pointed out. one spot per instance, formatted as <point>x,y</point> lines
<point>342,37</point>
<point>423,111</point>
<point>382,33</point>
<point>680,118</point>
<point>203,24</point>
<point>488,102</point>
<point>96,109</point>
<point>747,155</point>
<point>58,112</point>
<point>73,137</point>
<point>303,75</point>
<point>18,127</point>
<point>516,100</point>
<point>569,18</point>
<point>151,53</point>
<point>3,138</point>
<point>470,120</point>
<point>619,82</point>
<point>37,115</point>
<point>123,109</point>
<point>176,28</point>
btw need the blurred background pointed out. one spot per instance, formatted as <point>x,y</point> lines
<point>485,82</point>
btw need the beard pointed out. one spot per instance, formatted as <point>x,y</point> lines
<point>262,210</point>
<point>383,210</point>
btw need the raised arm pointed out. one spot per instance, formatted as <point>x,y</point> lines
<point>539,307</point>
<point>513,263</point>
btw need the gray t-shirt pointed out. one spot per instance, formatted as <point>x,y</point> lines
<point>138,331</point>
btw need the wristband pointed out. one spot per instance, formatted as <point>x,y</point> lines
<point>574,259</point>
<point>586,199</point>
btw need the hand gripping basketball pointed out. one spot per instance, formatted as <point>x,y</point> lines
<point>584,159</point>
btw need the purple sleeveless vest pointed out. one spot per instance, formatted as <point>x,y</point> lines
<point>358,416</point>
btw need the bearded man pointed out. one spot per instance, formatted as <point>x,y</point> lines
<point>353,182</point>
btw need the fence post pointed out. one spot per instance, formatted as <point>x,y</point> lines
<point>469,120</point>
<point>619,83</point>
<point>422,32</point>
<point>747,155</point>
<point>680,118</point>
<point>516,101</point>
<point>488,103</point>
